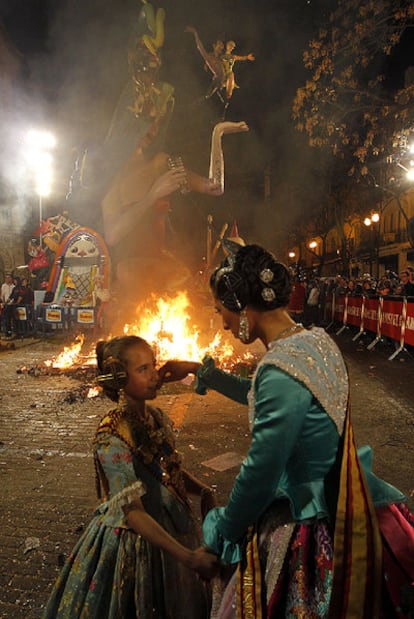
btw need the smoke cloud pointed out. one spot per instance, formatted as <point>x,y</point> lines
<point>79,71</point>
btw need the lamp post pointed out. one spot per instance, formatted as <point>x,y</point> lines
<point>292,261</point>
<point>373,220</point>
<point>40,144</point>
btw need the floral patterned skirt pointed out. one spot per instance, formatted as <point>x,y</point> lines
<point>112,573</point>
<point>295,562</point>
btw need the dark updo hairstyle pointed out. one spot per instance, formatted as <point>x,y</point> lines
<point>252,276</point>
<point>112,363</point>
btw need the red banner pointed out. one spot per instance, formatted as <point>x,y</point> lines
<point>409,325</point>
<point>339,309</point>
<point>392,319</point>
<point>354,311</point>
<point>371,314</point>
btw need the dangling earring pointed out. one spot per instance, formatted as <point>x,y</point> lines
<point>244,332</point>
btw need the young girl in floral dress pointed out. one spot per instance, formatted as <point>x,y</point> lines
<point>138,556</point>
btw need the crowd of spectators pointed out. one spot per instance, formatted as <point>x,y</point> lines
<point>310,293</point>
<point>388,284</point>
<point>16,294</point>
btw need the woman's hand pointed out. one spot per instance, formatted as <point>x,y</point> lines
<point>205,563</point>
<point>176,370</point>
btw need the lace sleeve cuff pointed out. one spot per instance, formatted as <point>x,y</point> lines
<point>215,541</point>
<point>125,499</point>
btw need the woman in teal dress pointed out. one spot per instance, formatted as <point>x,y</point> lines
<point>138,557</point>
<point>312,531</point>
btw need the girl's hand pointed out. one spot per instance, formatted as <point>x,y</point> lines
<point>206,564</point>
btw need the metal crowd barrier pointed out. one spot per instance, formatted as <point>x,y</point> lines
<point>24,320</point>
<point>386,317</point>
<point>60,318</point>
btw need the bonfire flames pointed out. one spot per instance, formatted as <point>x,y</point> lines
<point>168,326</point>
<point>166,323</point>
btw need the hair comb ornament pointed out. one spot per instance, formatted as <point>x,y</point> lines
<point>107,378</point>
<point>223,273</point>
<point>116,376</point>
<point>231,248</point>
<point>268,295</point>
<point>266,276</point>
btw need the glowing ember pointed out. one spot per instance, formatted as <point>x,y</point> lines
<point>71,355</point>
<point>94,392</point>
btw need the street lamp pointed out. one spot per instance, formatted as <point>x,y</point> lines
<point>409,172</point>
<point>40,144</point>
<point>370,221</point>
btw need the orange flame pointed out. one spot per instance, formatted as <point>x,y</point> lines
<point>69,356</point>
<point>72,355</point>
<point>167,325</point>
<point>94,392</point>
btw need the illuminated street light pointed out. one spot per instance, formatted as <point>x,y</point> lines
<point>292,254</point>
<point>40,143</point>
<point>369,221</point>
<point>41,140</point>
<point>373,219</point>
<point>313,245</point>
<point>409,172</point>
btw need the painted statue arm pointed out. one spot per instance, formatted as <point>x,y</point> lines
<point>250,57</point>
<point>202,49</point>
<point>121,212</point>
<point>216,172</point>
<point>118,223</point>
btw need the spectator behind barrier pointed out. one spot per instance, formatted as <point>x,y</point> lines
<point>407,285</point>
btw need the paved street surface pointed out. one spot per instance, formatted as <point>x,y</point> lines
<point>46,470</point>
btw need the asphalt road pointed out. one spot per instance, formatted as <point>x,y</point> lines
<point>46,471</point>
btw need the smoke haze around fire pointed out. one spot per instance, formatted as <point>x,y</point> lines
<point>77,59</point>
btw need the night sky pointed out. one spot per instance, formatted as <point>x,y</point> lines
<point>75,58</point>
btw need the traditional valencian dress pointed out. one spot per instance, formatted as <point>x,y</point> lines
<point>314,532</point>
<point>113,573</point>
